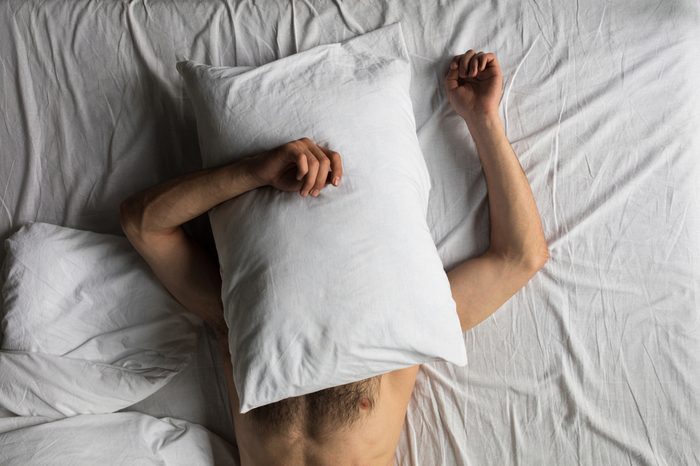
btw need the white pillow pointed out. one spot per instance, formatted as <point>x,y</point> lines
<point>86,327</point>
<point>324,291</point>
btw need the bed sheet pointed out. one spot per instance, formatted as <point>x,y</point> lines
<point>114,438</point>
<point>595,361</point>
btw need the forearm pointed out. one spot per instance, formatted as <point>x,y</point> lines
<point>172,203</point>
<point>516,228</point>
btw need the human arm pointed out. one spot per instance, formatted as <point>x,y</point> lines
<point>517,248</point>
<point>152,219</point>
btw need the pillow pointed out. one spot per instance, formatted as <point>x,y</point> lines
<point>320,292</point>
<point>86,327</point>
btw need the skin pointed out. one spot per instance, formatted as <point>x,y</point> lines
<point>152,220</point>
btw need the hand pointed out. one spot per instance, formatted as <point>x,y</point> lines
<point>299,165</point>
<point>474,84</point>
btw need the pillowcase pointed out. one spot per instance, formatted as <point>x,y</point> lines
<point>86,326</point>
<point>320,292</point>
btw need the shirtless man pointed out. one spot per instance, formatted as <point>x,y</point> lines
<point>358,423</point>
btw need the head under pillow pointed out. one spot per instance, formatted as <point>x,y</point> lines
<point>320,292</point>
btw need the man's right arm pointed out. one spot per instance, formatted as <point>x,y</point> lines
<point>518,248</point>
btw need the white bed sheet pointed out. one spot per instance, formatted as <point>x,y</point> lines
<point>596,361</point>
<point>115,438</point>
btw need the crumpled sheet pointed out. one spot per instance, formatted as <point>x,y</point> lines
<point>596,360</point>
<point>116,439</point>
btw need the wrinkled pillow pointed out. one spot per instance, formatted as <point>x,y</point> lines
<point>320,292</point>
<point>86,327</point>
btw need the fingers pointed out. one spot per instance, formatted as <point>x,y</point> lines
<point>310,177</point>
<point>468,65</point>
<point>475,64</point>
<point>451,80</point>
<point>302,164</point>
<point>314,165</point>
<point>336,165</point>
<point>465,62</point>
<point>482,61</point>
<point>488,66</point>
<point>472,68</point>
<point>324,165</point>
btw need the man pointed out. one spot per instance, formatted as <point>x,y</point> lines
<point>358,423</point>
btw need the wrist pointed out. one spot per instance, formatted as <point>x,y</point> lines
<point>243,174</point>
<point>477,121</point>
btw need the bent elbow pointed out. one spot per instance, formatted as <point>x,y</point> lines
<point>129,218</point>
<point>537,260</point>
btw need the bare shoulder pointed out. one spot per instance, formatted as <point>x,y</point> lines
<point>402,379</point>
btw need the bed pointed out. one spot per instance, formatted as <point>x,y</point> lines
<point>596,361</point>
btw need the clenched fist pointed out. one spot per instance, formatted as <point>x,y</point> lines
<point>474,84</point>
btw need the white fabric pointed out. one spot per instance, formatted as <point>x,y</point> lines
<point>114,439</point>
<point>86,326</point>
<point>595,361</point>
<point>320,292</point>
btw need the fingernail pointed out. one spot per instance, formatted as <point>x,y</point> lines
<point>335,181</point>
<point>315,192</point>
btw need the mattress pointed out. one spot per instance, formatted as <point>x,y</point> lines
<point>595,361</point>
